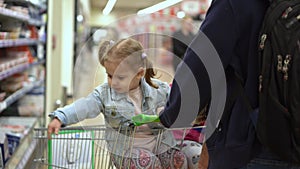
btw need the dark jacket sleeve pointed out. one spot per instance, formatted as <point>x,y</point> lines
<point>220,28</point>
<point>179,47</point>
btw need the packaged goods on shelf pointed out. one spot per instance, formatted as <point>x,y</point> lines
<point>12,61</point>
<point>32,104</point>
<point>14,35</point>
<point>15,131</point>
<point>20,52</point>
<point>33,32</point>
<point>11,87</point>
<point>2,4</point>
<point>13,83</point>
<point>14,134</point>
<point>40,52</point>
<point>4,35</point>
<point>4,152</point>
<point>17,78</point>
<point>13,141</point>
<point>36,73</point>
<point>22,72</point>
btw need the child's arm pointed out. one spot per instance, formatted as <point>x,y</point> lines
<point>88,107</point>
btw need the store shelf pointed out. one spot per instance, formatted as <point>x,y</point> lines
<point>27,145</point>
<point>20,18</point>
<point>18,42</point>
<point>13,14</point>
<point>14,70</point>
<point>4,13</point>
<point>18,69</point>
<point>40,62</point>
<point>27,3</point>
<point>35,22</point>
<point>18,94</point>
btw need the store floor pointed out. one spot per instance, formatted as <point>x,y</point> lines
<point>88,74</point>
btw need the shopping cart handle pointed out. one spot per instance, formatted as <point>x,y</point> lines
<point>141,119</point>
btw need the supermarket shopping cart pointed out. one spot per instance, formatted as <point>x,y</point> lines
<point>86,147</point>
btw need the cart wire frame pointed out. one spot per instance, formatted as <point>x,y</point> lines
<point>85,147</point>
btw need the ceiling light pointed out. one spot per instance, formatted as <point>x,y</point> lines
<point>157,7</point>
<point>109,6</point>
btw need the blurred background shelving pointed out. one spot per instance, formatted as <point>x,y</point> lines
<point>22,78</point>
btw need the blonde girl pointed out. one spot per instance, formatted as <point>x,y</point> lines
<point>130,90</point>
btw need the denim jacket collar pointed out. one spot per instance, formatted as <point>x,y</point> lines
<point>145,87</point>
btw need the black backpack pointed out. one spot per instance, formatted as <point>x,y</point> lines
<point>278,125</point>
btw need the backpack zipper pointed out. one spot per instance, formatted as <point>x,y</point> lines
<point>285,71</point>
<point>285,14</point>
<point>292,21</point>
<point>263,39</point>
<point>285,68</point>
<point>278,10</point>
<point>270,17</point>
<point>290,11</point>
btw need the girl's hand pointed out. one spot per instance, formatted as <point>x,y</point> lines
<point>141,119</point>
<point>54,127</point>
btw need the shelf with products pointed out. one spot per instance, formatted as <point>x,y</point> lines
<point>11,14</point>
<point>31,8</point>
<point>19,42</point>
<point>17,81</point>
<point>21,144</point>
<point>4,12</point>
<point>18,94</point>
<point>22,75</point>
<point>18,69</point>
<point>36,4</point>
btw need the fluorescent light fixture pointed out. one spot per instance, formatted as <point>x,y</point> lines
<point>157,7</point>
<point>109,6</point>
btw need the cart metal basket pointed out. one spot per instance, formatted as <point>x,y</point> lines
<point>86,147</point>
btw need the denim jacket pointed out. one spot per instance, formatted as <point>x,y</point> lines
<point>118,111</point>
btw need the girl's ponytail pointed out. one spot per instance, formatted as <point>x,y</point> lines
<point>149,74</point>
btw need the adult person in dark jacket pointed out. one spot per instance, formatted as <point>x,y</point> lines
<point>232,26</point>
<point>181,39</point>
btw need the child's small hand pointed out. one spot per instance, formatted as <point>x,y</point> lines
<point>141,119</point>
<point>54,127</point>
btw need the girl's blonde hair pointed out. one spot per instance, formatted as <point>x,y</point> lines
<point>130,49</point>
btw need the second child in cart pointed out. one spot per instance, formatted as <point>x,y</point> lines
<point>130,90</point>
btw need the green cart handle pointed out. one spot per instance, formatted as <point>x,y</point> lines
<point>141,119</point>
